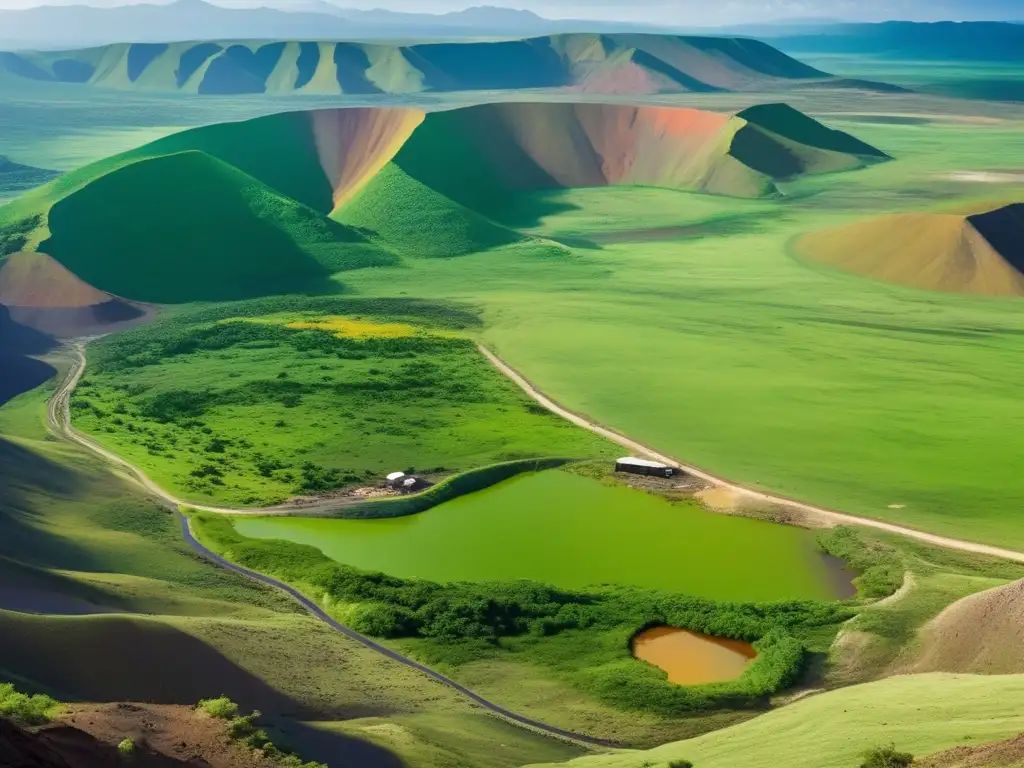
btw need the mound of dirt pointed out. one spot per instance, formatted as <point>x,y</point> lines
<point>980,254</point>
<point>1008,753</point>
<point>164,737</point>
<point>980,634</point>
<point>42,294</point>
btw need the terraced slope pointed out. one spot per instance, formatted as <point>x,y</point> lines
<point>981,254</point>
<point>282,202</point>
<point>591,63</point>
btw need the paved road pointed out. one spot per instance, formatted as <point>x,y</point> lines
<point>59,421</point>
<point>827,516</point>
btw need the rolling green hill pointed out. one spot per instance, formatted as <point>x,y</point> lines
<point>280,203</point>
<point>614,63</point>
<point>919,713</point>
<point>186,227</point>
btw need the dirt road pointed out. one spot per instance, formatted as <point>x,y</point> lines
<point>826,516</point>
<point>59,421</point>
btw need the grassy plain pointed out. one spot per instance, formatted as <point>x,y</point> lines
<point>572,532</point>
<point>919,713</point>
<point>879,400</point>
<point>286,409</point>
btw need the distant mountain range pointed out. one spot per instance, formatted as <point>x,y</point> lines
<point>968,40</point>
<point>580,63</point>
<point>74,26</point>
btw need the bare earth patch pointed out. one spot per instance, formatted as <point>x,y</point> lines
<point>175,732</point>
<point>1001,754</point>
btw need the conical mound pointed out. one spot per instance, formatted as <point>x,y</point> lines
<point>978,254</point>
<point>37,280</point>
<point>980,634</point>
<point>40,293</point>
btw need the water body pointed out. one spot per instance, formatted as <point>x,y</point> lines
<point>691,658</point>
<point>573,532</point>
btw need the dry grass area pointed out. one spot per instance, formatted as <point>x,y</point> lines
<point>1001,754</point>
<point>953,253</point>
<point>982,634</point>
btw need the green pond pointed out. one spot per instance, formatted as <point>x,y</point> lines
<point>571,531</point>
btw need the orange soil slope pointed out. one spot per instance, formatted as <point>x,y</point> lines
<point>39,281</point>
<point>354,144</point>
<point>980,634</point>
<point>588,145</point>
<point>940,252</point>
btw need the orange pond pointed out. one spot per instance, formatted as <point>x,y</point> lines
<point>691,658</point>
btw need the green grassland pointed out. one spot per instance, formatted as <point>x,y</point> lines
<point>919,713</point>
<point>804,381</point>
<point>238,410</point>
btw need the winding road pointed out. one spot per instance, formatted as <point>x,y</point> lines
<point>59,422</point>
<point>58,417</point>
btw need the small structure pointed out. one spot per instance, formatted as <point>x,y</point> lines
<point>635,466</point>
<point>394,480</point>
<point>412,484</point>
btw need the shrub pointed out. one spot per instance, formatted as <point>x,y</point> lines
<point>886,757</point>
<point>680,764</point>
<point>24,709</point>
<point>223,708</point>
<point>127,746</point>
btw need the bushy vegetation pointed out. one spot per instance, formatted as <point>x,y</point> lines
<point>584,633</point>
<point>127,746</point>
<point>245,729</point>
<point>240,408</point>
<point>14,237</point>
<point>25,709</point>
<point>886,757</point>
<point>221,707</point>
<point>880,566</point>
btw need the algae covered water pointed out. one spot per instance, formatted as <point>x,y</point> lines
<point>573,532</point>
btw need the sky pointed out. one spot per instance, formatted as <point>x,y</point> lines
<point>671,12</point>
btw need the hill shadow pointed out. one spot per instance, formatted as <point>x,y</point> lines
<point>119,658</point>
<point>20,372</point>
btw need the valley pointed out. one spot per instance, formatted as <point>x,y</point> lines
<point>265,284</point>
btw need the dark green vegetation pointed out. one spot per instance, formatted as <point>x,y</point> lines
<point>25,709</point>
<point>886,757</point>
<point>602,63</point>
<point>583,636</point>
<point>229,404</point>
